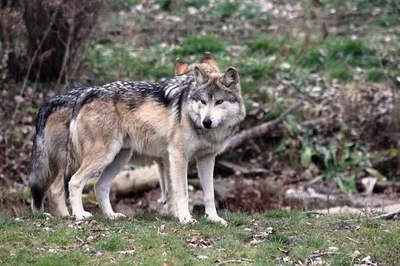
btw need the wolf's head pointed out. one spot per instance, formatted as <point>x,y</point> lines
<point>216,99</point>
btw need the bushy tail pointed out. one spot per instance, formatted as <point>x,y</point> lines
<point>40,165</point>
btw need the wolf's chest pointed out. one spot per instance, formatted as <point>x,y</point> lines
<point>206,143</point>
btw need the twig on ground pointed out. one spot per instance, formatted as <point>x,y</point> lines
<point>260,130</point>
<point>234,168</point>
<point>328,253</point>
<point>353,240</point>
<point>389,215</point>
<point>314,213</point>
<point>244,261</point>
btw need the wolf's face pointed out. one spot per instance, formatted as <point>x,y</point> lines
<point>216,100</point>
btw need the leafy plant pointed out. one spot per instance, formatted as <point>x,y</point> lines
<point>199,44</point>
<point>336,158</point>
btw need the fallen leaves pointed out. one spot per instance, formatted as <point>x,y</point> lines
<point>259,237</point>
<point>197,241</point>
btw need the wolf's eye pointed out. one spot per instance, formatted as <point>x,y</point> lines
<point>219,102</point>
<point>203,102</point>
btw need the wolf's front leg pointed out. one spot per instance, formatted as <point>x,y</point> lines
<point>179,191</point>
<point>205,167</point>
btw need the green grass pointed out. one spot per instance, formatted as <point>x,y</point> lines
<point>197,45</point>
<point>375,75</point>
<point>265,45</point>
<point>151,240</point>
<point>386,20</point>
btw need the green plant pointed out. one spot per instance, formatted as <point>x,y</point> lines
<point>375,74</point>
<point>195,45</point>
<point>196,3</point>
<point>122,4</point>
<point>340,71</point>
<point>338,159</point>
<point>265,45</point>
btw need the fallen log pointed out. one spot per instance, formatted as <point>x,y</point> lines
<point>131,181</point>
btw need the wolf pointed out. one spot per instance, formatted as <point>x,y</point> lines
<point>49,151</point>
<point>190,116</point>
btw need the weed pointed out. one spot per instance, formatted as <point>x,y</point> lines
<point>340,71</point>
<point>197,45</point>
<point>196,3</point>
<point>265,45</point>
<point>113,243</point>
<point>122,4</point>
<point>386,20</point>
<point>375,75</point>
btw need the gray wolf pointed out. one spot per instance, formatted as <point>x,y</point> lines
<point>49,151</point>
<point>190,116</point>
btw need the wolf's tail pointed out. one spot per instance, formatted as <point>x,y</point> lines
<point>40,165</point>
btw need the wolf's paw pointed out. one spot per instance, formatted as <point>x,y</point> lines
<point>83,215</point>
<point>217,219</point>
<point>116,216</point>
<point>187,220</point>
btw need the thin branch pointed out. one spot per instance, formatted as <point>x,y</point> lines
<point>33,59</point>
<point>260,130</point>
<point>328,253</point>
<point>389,215</point>
<point>244,261</point>
<point>353,240</point>
<point>67,50</point>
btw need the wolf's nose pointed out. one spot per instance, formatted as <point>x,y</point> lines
<point>207,122</point>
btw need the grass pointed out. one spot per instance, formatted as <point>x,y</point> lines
<point>194,45</point>
<point>151,240</point>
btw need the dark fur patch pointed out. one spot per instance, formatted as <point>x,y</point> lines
<point>37,196</point>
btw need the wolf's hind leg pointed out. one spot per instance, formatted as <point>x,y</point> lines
<point>58,206</point>
<point>161,178</point>
<point>93,165</point>
<point>165,185</point>
<point>103,184</point>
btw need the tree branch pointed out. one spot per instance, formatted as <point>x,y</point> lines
<point>389,215</point>
<point>260,130</point>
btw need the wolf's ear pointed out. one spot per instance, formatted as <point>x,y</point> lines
<point>199,76</point>
<point>209,59</point>
<point>180,66</point>
<point>231,77</point>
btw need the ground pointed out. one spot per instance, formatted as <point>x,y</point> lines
<point>271,238</point>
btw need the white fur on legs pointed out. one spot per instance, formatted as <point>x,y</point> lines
<point>103,184</point>
<point>161,178</point>
<point>205,167</point>
<point>76,184</point>
<point>179,192</point>
<point>92,167</point>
